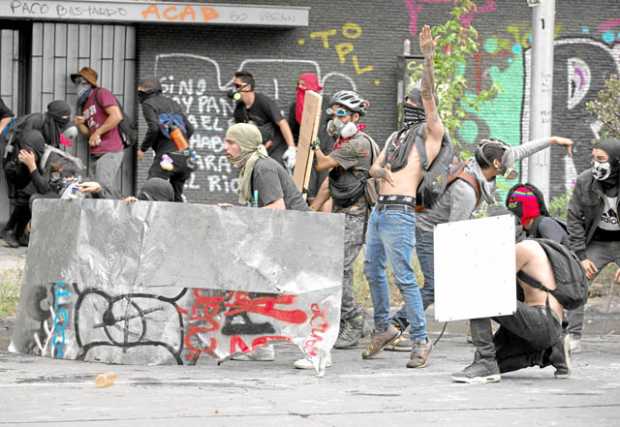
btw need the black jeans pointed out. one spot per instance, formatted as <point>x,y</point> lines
<point>522,338</point>
<point>177,177</point>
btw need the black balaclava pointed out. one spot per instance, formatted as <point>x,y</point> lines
<point>148,88</point>
<point>413,116</point>
<point>57,119</point>
<point>156,190</point>
<point>611,182</point>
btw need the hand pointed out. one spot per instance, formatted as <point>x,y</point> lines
<point>617,276</point>
<point>129,200</point>
<point>590,268</point>
<point>27,157</point>
<point>140,154</point>
<point>94,139</point>
<point>568,143</point>
<point>316,144</point>
<point>427,43</point>
<point>79,120</point>
<point>90,187</point>
<point>289,157</point>
<point>268,144</point>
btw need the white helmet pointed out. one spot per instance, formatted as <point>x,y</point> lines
<point>350,100</point>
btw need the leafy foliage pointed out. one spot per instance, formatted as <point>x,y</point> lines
<point>606,107</point>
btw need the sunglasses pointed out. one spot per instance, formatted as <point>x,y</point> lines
<point>338,112</point>
<point>239,86</point>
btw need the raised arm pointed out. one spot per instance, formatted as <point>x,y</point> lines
<point>434,126</point>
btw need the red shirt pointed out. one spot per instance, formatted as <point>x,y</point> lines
<point>95,115</point>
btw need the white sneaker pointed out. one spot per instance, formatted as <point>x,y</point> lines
<point>264,353</point>
<point>307,364</point>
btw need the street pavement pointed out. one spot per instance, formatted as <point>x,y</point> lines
<point>38,391</point>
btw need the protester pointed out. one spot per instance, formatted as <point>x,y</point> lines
<point>593,226</point>
<point>54,124</point>
<point>528,204</point>
<point>257,109</point>
<point>305,82</point>
<point>263,182</point>
<point>99,121</point>
<point>391,228</point>
<point>348,166</point>
<point>532,336</point>
<point>26,179</point>
<point>162,114</point>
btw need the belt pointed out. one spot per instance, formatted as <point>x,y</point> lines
<point>394,207</point>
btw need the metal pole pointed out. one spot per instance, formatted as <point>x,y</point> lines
<point>541,91</point>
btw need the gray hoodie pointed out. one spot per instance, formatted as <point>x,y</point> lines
<point>459,201</point>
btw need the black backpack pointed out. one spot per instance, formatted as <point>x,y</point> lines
<point>570,279</point>
<point>127,127</point>
<point>436,173</point>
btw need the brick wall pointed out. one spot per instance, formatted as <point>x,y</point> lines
<point>356,45</point>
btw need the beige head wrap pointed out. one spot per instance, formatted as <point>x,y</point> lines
<point>252,149</point>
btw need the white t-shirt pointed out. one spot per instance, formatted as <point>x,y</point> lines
<point>609,217</point>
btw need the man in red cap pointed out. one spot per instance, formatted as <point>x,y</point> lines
<point>98,119</point>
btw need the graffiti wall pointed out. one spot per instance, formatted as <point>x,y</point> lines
<point>217,282</point>
<point>357,46</point>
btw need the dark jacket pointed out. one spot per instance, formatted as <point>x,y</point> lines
<point>584,212</point>
<point>152,107</point>
<point>545,227</point>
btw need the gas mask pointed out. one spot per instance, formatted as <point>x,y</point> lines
<point>338,129</point>
<point>505,170</point>
<point>601,170</point>
<point>234,94</point>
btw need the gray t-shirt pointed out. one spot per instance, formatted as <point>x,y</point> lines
<point>272,183</point>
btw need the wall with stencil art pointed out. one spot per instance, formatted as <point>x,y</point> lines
<point>357,46</point>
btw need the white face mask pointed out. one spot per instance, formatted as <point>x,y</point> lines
<point>601,170</point>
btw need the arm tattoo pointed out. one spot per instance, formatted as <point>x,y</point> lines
<point>428,86</point>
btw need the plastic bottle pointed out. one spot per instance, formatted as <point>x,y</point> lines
<point>105,380</point>
<point>176,135</point>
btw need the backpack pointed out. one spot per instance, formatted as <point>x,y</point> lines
<point>457,172</point>
<point>167,121</point>
<point>570,278</point>
<point>436,173</point>
<point>346,188</point>
<point>127,127</point>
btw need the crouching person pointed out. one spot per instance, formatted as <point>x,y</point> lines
<point>549,279</point>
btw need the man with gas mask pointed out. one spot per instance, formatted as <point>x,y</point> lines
<point>348,165</point>
<point>261,111</point>
<point>99,116</point>
<point>168,133</point>
<point>593,226</point>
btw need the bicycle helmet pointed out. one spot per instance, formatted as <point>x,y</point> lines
<point>350,100</point>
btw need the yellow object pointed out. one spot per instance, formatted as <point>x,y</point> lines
<point>105,380</point>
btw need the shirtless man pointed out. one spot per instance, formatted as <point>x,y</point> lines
<point>530,337</point>
<point>391,227</point>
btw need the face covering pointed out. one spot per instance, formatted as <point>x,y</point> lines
<point>311,82</point>
<point>601,171</point>
<point>142,96</point>
<point>338,129</point>
<point>413,116</point>
<point>82,89</point>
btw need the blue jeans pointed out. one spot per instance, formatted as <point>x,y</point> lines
<point>424,248</point>
<point>390,236</point>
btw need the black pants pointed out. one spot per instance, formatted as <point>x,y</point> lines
<point>522,338</point>
<point>177,176</point>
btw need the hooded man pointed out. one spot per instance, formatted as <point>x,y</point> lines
<point>593,226</point>
<point>26,179</point>
<point>475,183</point>
<point>162,114</point>
<point>99,119</point>
<point>263,182</point>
